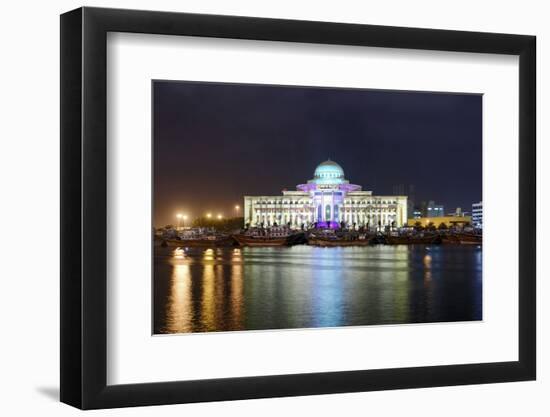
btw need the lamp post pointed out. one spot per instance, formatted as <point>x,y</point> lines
<point>179,217</point>
<point>219,216</point>
<point>184,217</point>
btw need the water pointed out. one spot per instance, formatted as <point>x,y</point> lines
<point>224,289</point>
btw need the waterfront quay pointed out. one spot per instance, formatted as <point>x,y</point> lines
<point>284,236</point>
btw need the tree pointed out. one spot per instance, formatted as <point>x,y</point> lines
<point>442,226</point>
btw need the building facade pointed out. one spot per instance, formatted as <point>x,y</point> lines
<point>327,200</point>
<point>477,215</point>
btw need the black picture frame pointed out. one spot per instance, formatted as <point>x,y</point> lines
<point>84,207</point>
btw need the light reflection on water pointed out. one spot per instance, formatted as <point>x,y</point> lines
<point>223,289</point>
<point>179,316</point>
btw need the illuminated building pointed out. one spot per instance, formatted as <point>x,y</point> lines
<point>477,215</point>
<point>428,209</point>
<point>327,200</point>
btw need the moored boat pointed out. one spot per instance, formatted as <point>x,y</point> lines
<point>397,240</point>
<point>199,242</point>
<point>333,242</point>
<point>247,240</point>
<point>431,239</point>
<point>449,239</point>
<point>274,236</point>
<point>469,239</point>
<point>462,239</point>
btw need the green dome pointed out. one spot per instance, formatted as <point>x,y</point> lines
<point>328,172</point>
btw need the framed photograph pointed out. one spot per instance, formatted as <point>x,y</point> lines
<point>258,208</point>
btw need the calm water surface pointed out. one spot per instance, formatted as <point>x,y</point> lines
<point>222,289</point>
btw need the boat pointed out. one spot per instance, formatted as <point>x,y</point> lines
<point>206,242</point>
<point>333,242</point>
<point>397,240</point>
<point>449,239</point>
<point>469,239</point>
<point>247,240</point>
<point>462,239</point>
<point>330,238</point>
<point>431,239</point>
<point>274,236</point>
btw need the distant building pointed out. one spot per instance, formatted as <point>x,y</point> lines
<point>458,212</point>
<point>428,209</point>
<point>327,200</point>
<point>477,215</point>
<point>435,210</point>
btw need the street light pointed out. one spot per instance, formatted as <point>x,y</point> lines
<point>237,207</point>
<point>208,215</point>
<point>179,216</point>
<point>219,216</point>
<point>184,217</point>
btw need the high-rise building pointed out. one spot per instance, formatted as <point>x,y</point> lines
<point>477,215</point>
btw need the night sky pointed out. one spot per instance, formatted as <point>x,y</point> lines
<point>215,143</point>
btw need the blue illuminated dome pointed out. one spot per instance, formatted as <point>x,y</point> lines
<point>328,172</point>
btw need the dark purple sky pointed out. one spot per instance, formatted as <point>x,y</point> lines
<point>214,143</point>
